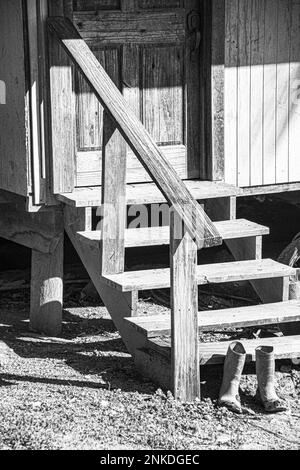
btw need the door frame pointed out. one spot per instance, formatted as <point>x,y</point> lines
<point>211,101</point>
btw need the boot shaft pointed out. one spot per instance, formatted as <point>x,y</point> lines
<point>233,368</point>
<point>265,371</point>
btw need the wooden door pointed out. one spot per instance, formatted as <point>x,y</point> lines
<point>151,51</point>
<point>14,151</point>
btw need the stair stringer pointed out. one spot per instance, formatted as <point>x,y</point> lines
<point>119,305</point>
<point>268,290</point>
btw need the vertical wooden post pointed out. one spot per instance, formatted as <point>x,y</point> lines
<point>112,244</point>
<point>184,314</point>
<point>295,287</point>
<point>218,15</point>
<point>62,111</point>
<point>221,208</point>
<point>289,329</point>
<point>46,295</point>
<point>36,96</point>
<point>213,72</point>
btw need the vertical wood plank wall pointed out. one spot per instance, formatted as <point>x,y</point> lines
<point>62,109</point>
<point>262,92</point>
<point>14,116</point>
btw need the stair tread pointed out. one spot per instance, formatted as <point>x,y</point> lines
<point>285,347</point>
<point>255,315</point>
<point>154,236</point>
<point>148,193</point>
<point>206,274</point>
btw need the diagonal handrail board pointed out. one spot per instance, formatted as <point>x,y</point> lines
<point>196,221</point>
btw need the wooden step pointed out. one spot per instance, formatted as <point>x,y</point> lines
<point>206,274</point>
<point>158,236</point>
<point>256,315</point>
<point>148,193</point>
<point>285,347</point>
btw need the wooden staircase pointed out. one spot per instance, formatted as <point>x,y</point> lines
<point>167,349</point>
<point>148,338</point>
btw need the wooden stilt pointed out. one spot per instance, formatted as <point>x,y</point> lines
<point>46,295</point>
<point>184,315</point>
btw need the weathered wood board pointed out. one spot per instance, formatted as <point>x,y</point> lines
<point>62,126</point>
<point>148,51</point>
<point>240,317</point>
<point>14,174</point>
<point>206,274</point>
<point>148,153</point>
<point>262,102</point>
<point>158,236</point>
<point>215,353</point>
<point>184,316</point>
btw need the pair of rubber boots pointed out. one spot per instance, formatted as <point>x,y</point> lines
<point>265,370</point>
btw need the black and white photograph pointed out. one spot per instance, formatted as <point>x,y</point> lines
<point>149,228</point>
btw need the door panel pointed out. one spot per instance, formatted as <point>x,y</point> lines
<point>146,4</point>
<point>147,50</point>
<point>163,97</point>
<point>88,109</point>
<point>94,5</point>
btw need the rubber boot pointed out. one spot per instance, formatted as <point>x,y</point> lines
<point>265,371</point>
<point>233,368</point>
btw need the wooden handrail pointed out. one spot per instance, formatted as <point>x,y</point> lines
<point>197,223</point>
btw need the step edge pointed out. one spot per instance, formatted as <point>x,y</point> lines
<point>228,190</point>
<point>261,230</point>
<point>218,358</point>
<point>165,330</point>
<point>286,271</point>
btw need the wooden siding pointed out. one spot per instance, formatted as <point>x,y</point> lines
<point>62,109</point>
<point>262,99</point>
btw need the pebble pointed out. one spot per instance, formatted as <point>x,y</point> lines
<point>36,404</point>
<point>104,404</point>
<point>224,439</point>
<point>207,417</point>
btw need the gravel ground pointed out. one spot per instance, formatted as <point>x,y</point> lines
<point>81,391</point>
